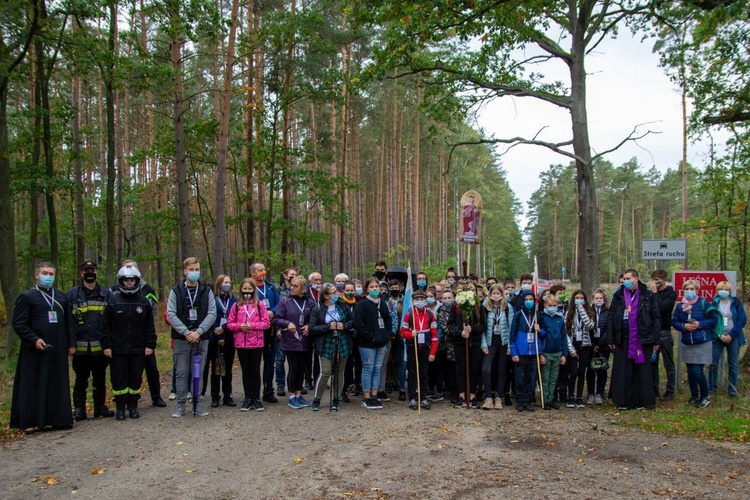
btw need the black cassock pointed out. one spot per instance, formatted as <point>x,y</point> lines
<point>41,390</point>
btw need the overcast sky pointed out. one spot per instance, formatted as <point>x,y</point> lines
<point>625,87</point>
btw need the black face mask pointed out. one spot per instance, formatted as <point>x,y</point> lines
<point>89,277</point>
<point>395,293</point>
<point>247,296</point>
<point>380,274</point>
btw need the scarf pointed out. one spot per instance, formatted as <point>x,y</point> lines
<point>348,301</point>
<point>635,350</point>
<point>687,305</point>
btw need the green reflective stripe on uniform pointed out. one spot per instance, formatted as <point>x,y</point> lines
<point>151,296</point>
<point>121,392</point>
<point>98,307</point>
<point>133,391</point>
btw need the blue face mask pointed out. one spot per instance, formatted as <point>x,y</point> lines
<point>46,281</point>
<point>579,302</point>
<point>528,304</point>
<point>628,284</point>
<point>421,284</point>
<point>194,275</point>
<point>690,294</point>
<point>334,298</point>
<point>420,304</point>
<point>551,310</point>
<point>430,301</point>
<point>723,294</point>
<point>358,290</point>
<point>374,293</point>
<point>340,287</point>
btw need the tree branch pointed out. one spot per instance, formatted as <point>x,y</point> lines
<point>729,116</point>
<point>630,137</point>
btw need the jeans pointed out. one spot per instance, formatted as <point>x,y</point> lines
<point>525,374</point>
<point>372,362</point>
<point>280,360</point>
<point>733,362</point>
<point>666,350</point>
<point>183,364</point>
<point>697,381</point>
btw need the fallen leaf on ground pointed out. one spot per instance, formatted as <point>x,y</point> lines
<point>97,470</point>
<point>50,480</point>
<point>298,460</point>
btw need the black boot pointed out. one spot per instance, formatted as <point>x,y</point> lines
<point>101,410</point>
<point>133,410</point>
<point>120,410</point>
<point>79,405</point>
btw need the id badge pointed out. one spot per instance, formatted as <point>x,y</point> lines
<point>301,319</point>
<point>579,336</point>
<point>496,330</point>
<point>625,314</point>
<point>52,316</point>
<point>381,323</point>
<point>598,333</point>
<point>266,303</point>
<point>530,337</point>
<point>222,322</point>
<point>420,338</point>
<point>193,314</point>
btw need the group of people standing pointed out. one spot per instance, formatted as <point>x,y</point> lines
<point>358,338</point>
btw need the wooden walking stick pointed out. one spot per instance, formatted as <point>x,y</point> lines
<point>416,358</point>
<point>535,288</point>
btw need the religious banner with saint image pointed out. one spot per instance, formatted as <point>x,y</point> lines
<point>471,210</point>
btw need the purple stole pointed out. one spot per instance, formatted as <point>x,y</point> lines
<point>635,350</point>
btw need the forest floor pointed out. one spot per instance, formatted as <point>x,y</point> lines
<point>388,453</point>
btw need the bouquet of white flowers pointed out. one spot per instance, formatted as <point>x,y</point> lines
<point>466,300</point>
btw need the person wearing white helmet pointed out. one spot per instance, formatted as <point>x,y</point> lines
<point>128,336</point>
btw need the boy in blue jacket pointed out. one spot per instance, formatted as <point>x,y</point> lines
<point>556,352</point>
<point>525,344</point>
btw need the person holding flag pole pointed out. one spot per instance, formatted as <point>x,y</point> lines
<point>419,326</point>
<point>524,332</point>
<point>539,362</point>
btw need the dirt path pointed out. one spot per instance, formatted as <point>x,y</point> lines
<point>393,453</point>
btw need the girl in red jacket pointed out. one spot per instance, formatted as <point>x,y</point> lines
<point>248,319</point>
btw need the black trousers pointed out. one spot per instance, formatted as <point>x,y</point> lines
<point>473,371</point>
<point>353,370</point>
<point>250,364</point>
<point>295,376</point>
<point>152,376</point>
<point>495,359</point>
<point>411,366</point>
<point>577,373</point>
<point>666,353</point>
<point>212,370</point>
<point>437,374</point>
<point>126,375</point>
<point>94,366</point>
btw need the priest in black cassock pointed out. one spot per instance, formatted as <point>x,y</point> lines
<point>41,390</point>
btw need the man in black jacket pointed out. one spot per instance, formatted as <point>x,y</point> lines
<point>666,297</point>
<point>87,301</point>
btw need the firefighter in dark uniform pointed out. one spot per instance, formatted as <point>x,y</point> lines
<point>128,336</point>
<point>87,306</point>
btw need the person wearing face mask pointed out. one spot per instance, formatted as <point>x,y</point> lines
<point>191,311</point>
<point>632,330</point>
<point>284,291</point>
<point>312,367</point>
<point>451,278</point>
<point>494,345</point>
<point>41,388</point>
<point>286,279</point>
<point>421,282</point>
<point>373,328</point>
<point>448,321</point>
<point>247,322</point>
<point>732,338</point>
<point>381,270</point>
<point>269,295</point>
<point>525,342</point>
<point>331,324</point>
<point>596,380</point>
<point>221,349</point>
<point>526,281</point>
<point>579,322</point>
<point>695,317</point>
<point>420,326</point>
<point>437,372</point>
<point>353,370</point>
<point>393,364</point>
<point>87,301</point>
<point>556,352</point>
<point>666,297</point>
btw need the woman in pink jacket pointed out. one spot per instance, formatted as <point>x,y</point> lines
<point>247,320</point>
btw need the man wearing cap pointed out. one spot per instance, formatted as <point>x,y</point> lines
<point>87,301</point>
<point>420,326</point>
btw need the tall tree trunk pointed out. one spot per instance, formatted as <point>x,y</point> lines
<point>109,93</point>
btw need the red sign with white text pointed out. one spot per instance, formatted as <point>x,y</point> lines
<point>707,279</point>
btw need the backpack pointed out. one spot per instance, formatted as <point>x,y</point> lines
<point>718,330</point>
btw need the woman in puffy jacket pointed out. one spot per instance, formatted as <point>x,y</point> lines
<point>695,318</point>
<point>494,345</point>
<point>579,323</point>
<point>596,380</point>
<point>247,320</point>
<point>732,338</point>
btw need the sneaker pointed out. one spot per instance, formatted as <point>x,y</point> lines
<point>733,395</point>
<point>436,397</point>
<point>598,399</point>
<point>507,401</point>
<point>529,407</point>
<point>294,402</point>
<point>189,396</point>
<point>622,408</point>
<point>270,398</point>
<point>426,404</point>
<point>215,401</point>
<point>258,405</point>
<point>335,406</point>
<point>302,401</point>
<point>498,404</point>
<point>402,395</point>
<point>554,405</point>
<point>383,396</point>
<point>200,411</point>
<point>667,396</point>
<point>488,404</point>
<point>303,391</point>
<point>591,399</point>
<point>229,401</point>
<point>309,386</point>
<point>315,406</point>
<point>546,406</point>
<point>372,404</point>
<point>363,404</point>
<point>345,397</point>
<point>571,403</point>
<point>579,403</point>
<point>521,407</point>
<point>413,404</point>
<point>703,402</point>
<point>172,396</point>
<point>280,392</point>
<point>691,401</point>
<point>246,405</point>
<point>178,411</point>
<point>474,404</point>
<point>460,403</point>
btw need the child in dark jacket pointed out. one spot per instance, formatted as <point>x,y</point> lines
<point>552,325</point>
<point>525,344</point>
